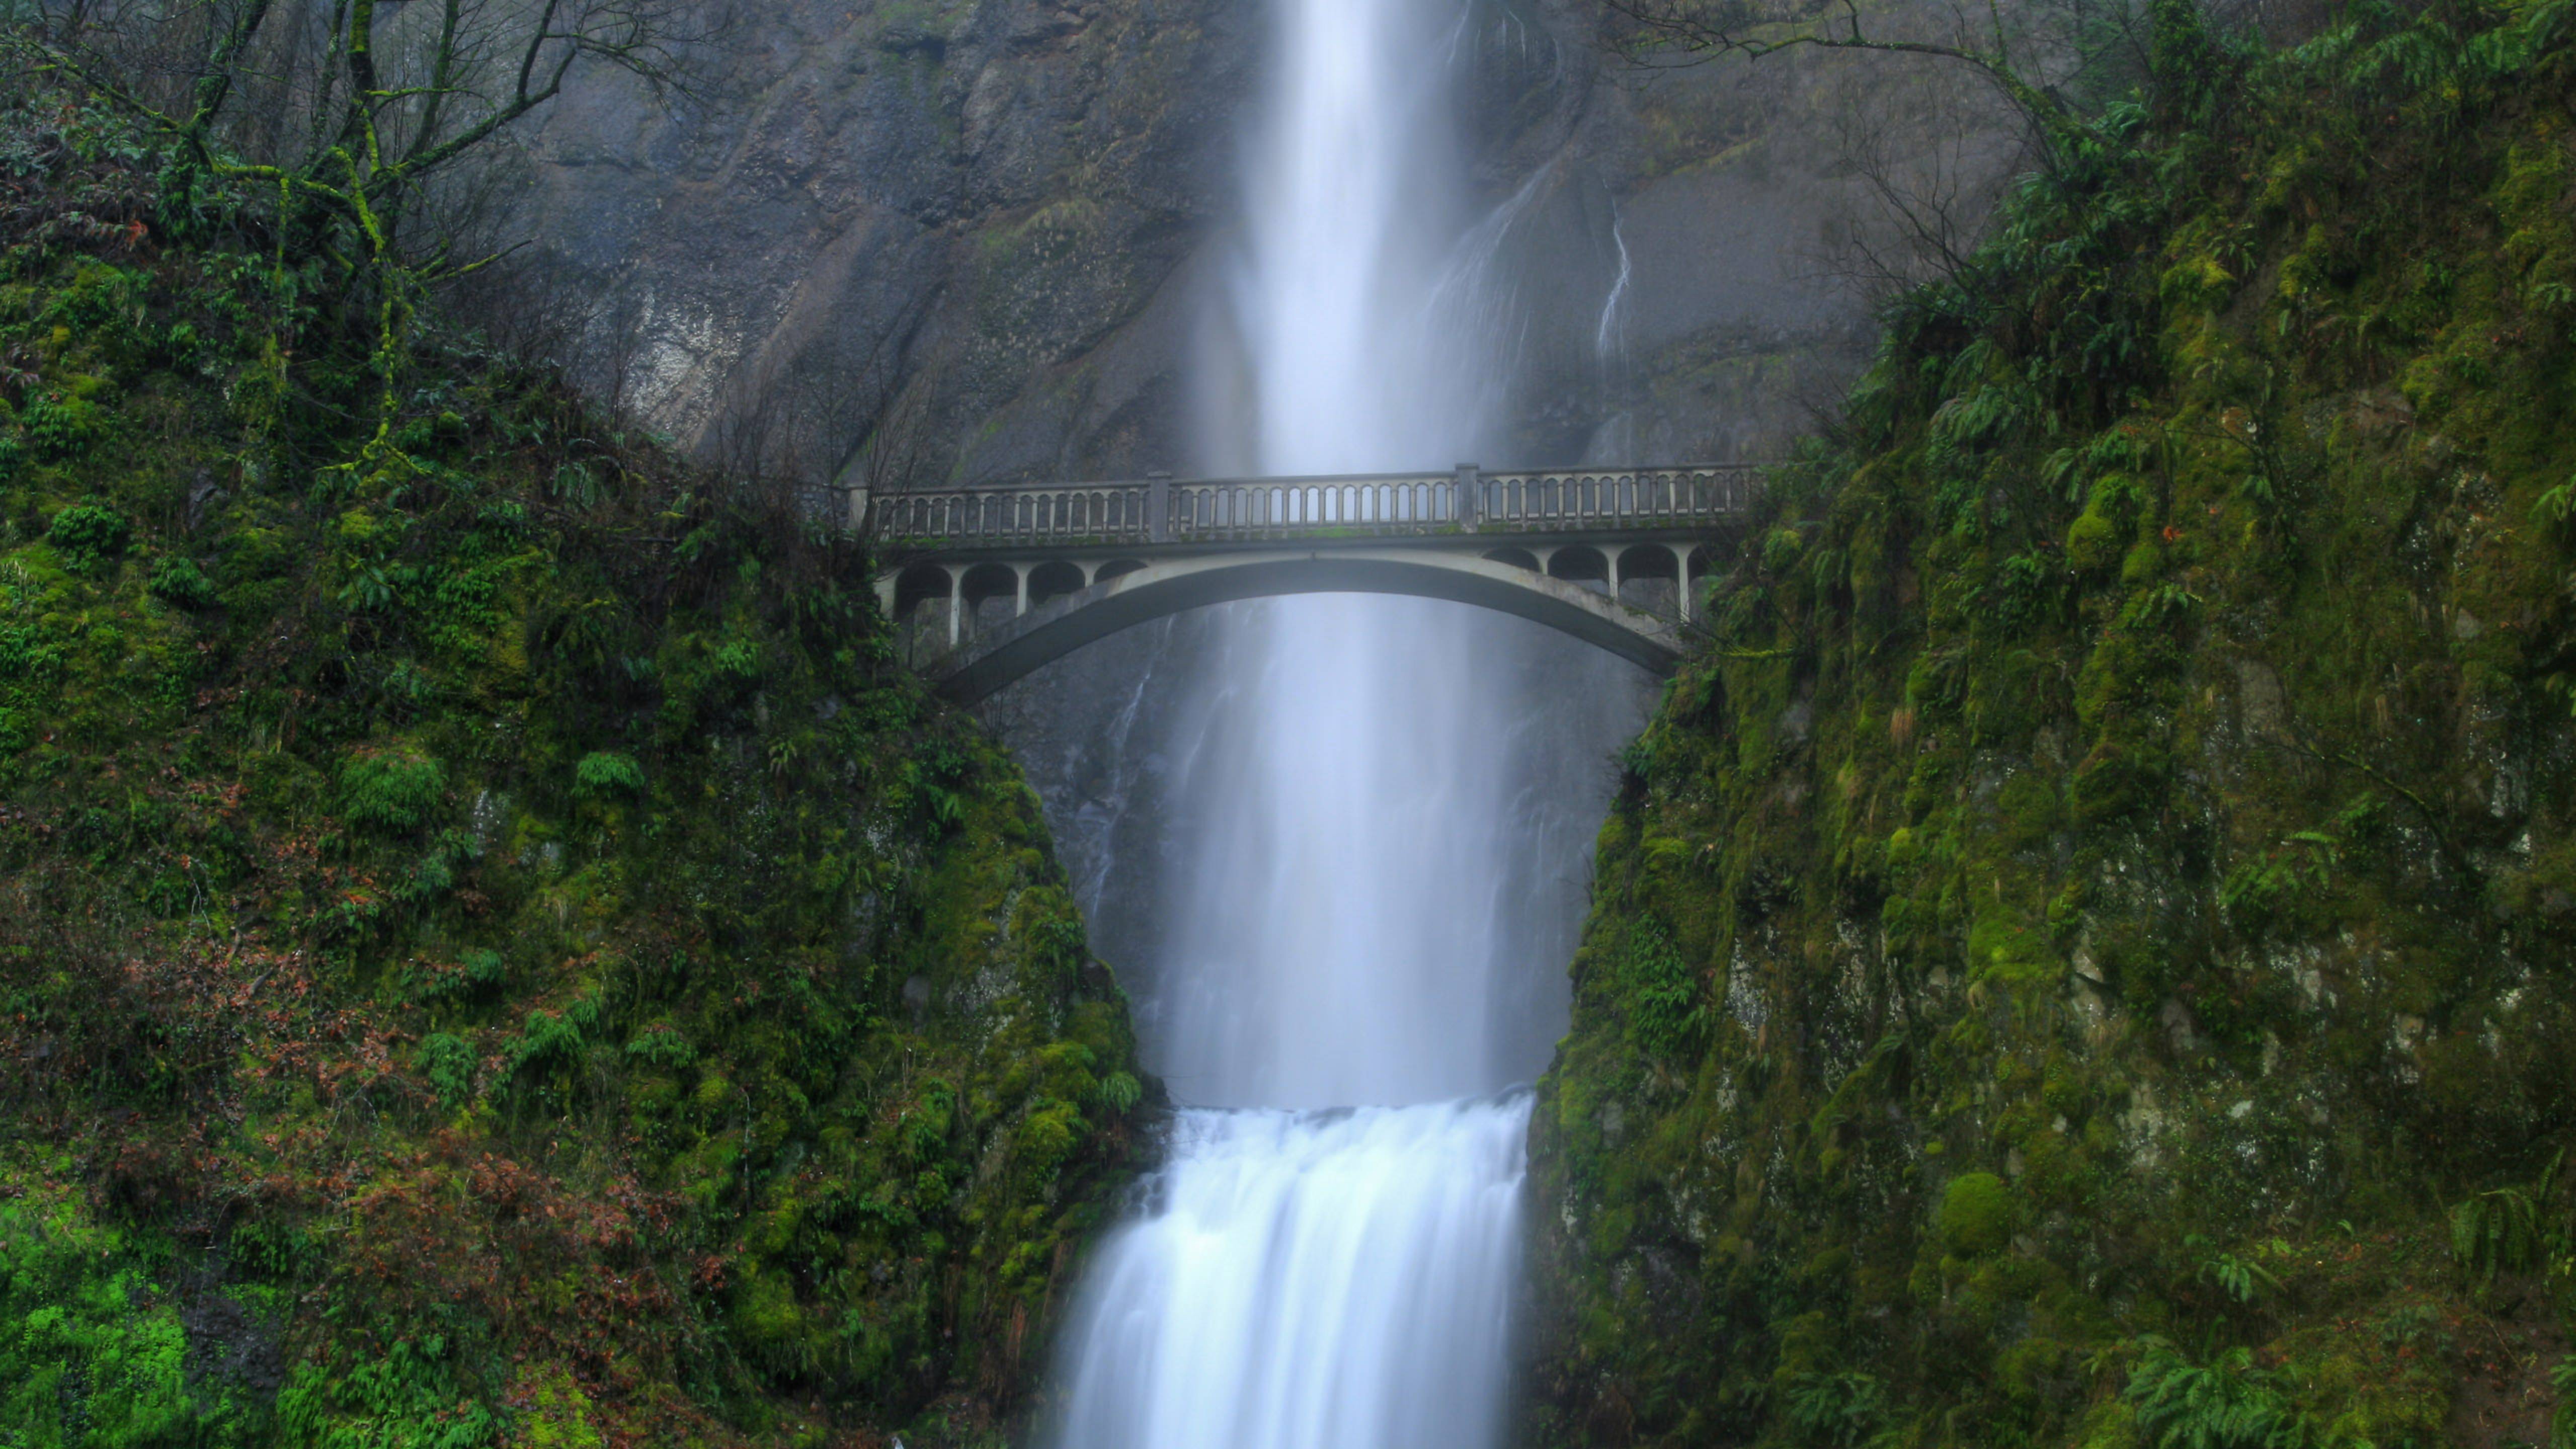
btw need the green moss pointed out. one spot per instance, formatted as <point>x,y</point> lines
<point>2158,924</point>
<point>2092,541</point>
<point>95,1349</point>
<point>466,914</point>
<point>1976,1215</point>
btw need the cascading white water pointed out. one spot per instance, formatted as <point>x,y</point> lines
<point>1347,857</point>
<point>1383,809</point>
<point>1310,1279</point>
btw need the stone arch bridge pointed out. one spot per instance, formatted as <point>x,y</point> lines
<point>989,583</point>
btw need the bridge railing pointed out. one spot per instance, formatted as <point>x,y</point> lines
<point>1615,498</point>
<point>971,517</point>
<point>1217,510</point>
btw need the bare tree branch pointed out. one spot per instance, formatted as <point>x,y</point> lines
<point>1708,29</point>
<point>394,96</point>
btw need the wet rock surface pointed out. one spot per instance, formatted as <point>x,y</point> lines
<point>1012,217</point>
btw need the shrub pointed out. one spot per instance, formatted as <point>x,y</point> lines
<point>178,580</point>
<point>607,773</point>
<point>88,535</point>
<point>390,789</point>
<point>662,1045</point>
<point>475,971</point>
<point>447,1064</point>
<point>62,427</point>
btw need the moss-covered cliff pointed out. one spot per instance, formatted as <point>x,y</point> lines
<point>2084,956</point>
<point>491,944</point>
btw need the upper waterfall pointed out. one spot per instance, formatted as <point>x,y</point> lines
<point>1381,805</point>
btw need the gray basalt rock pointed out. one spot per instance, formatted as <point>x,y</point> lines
<point>980,202</point>
<point>1011,214</point>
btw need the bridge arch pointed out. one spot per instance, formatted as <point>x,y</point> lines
<point>922,583</point>
<point>1054,579</point>
<point>989,594</point>
<point>1650,578</point>
<point>997,655</point>
<point>1580,563</point>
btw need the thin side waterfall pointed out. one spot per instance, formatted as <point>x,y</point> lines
<point>1382,817</point>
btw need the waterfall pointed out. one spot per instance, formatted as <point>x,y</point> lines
<point>1338,1278</point>
<point>1381,817</point>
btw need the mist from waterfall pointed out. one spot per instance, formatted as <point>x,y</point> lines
<point>1342,913</point>
<point>1383,810</point>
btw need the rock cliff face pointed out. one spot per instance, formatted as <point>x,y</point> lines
<point>2083,958</point>
<point>981,202</point>
<point>1004,223</point>
<point>1010,215</point>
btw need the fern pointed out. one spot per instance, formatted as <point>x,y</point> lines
<point>2510,49</point>
<point>575,484</point>
<point>2562,1425</point>
<point>2306,861</point>
<point>2239,1278</point>
<point>1669,1013</point>
<point>2225,1404</point>
<point>2163,606</point>
<point>2026,586</point>
<point>1120,1092</point>
<point>446,1062</point>
<point>1835,1411</point>
<point>2554,507</point>
<point>2506,1229</point>
<point>662,1045</point>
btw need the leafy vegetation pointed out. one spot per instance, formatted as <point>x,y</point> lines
<point>2229,1404</point>
<point>480,961</point>
<point>2513,1230</point>
<point>2122,838</point>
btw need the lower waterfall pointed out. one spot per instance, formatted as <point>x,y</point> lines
<point>1309,1280</point>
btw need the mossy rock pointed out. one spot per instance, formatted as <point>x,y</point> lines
<point>1976,1215</point>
